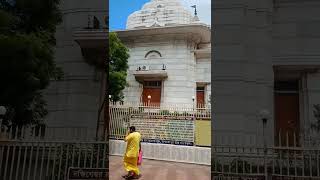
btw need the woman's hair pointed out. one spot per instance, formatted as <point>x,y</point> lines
<point>132,128</point>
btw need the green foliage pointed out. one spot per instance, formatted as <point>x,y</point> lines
<point>6,20</point>
<point>316,112</point>
<point>32,16</point>
<point>118,66</point>
<point>164,112</point>
<point>176,113</point>
<point>27,65</point>
<point>240,166</point>
<point>119,131</point>
<point>186,113</point>
<point>141,109</point>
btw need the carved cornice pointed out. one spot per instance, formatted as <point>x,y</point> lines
<point>198,33</point>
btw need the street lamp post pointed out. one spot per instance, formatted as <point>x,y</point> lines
<point>264,114</point>
<point>193,98</point>
<point>193,118</point>
<point>149,99</point>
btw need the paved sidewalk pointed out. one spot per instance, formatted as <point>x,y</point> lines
<point>160,170</point>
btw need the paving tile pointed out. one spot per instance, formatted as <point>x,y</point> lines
<point>160,170</point>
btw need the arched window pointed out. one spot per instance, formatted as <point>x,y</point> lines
<point>153,54</point>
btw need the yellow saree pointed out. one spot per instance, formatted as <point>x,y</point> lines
<point>130,159</point>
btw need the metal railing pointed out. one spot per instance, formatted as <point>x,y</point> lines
<point>240,161</point>
<point>40,152</point>
<point>253,138</point>
<point>39,160</point>
<point>158,123</point>
<point>44,133</point>
<point>290,155</point>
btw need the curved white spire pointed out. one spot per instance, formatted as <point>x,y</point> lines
<point>160,13</point>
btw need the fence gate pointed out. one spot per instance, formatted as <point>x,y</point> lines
<point>43,158</point>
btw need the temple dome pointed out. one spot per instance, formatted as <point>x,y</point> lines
<point>160,13</point>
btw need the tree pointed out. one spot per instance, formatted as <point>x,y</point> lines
<point>27,29</point>
<point>118,66</point>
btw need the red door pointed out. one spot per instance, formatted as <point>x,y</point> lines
<point>153,89</point>
<point>200,99</point>
<point>155,94</point>
<point>287,118</point>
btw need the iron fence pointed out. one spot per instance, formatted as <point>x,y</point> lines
<point>45,133</point>
<point>290,155</point>
<point>263,163</point>
<point>39,160</point>
<point>256,138</point>
<point>170,124</point>
<point>47,153</point>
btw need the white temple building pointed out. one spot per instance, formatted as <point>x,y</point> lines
<point>170,55</point>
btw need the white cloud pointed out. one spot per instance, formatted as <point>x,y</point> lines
<point>203,9</point>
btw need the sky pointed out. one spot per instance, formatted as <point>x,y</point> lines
<point>119,10</point>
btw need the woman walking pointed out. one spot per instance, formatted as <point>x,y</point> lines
<point>131,155</point>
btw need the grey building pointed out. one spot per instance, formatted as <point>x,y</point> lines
<point>75,101</point>
<point>274,66</point>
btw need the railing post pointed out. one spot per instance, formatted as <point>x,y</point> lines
<point>264,121</point>
<point>264,114</point>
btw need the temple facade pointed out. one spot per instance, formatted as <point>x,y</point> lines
<point>170,55</point>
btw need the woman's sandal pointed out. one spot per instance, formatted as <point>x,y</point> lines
<point>125,176</point>
<point>137,176</point>
<point>129,177</point>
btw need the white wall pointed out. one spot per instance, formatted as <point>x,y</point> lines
<point>180,63</point>
<point>166,152</point>
<point>203,75</point>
